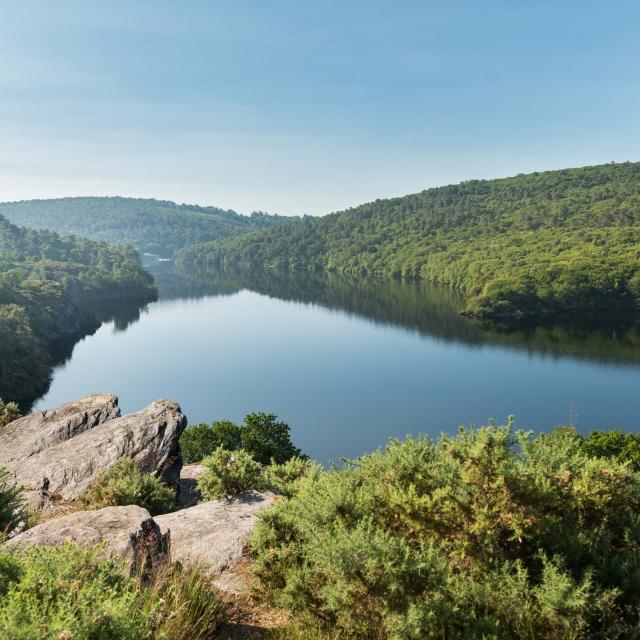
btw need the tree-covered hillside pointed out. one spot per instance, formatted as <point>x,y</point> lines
<point>559,241</point>
<point>153,226</point>
<point>47,286</point>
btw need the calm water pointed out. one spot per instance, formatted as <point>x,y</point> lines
<point>349,363</point>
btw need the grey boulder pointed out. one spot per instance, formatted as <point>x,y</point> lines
<point>213,534</point>
<point>128,533</point>
<point>62,471</point>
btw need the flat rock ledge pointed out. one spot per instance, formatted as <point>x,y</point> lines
<point>128,533</point>
<point>213,534</point>
<point>29,435</point>
<point>63,450</point>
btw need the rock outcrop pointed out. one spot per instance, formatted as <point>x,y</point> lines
<point>128,533</point>
<point>213,534</point>
<point>63,469</point>
<point>33,433</point>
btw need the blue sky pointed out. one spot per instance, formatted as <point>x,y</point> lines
<point>308,107</point>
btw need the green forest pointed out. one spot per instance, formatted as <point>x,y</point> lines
<point>48,284</point>
<point>151,226</point>
<point>556,242</point>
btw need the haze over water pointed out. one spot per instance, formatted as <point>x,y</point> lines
<point>349,364</point>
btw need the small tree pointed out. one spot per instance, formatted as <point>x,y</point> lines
<point>261,435</point>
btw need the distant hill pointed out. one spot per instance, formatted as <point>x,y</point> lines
<point>544,243</point>
<point>153,226</point>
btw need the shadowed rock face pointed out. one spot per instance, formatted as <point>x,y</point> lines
<point>128,533</point>
<point>213,534</point>
<point>63,468</point>
<point>30,435</point>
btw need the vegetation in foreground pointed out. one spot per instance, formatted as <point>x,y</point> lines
<point>488,534</point>
<point>546,243</point>
<point>72,593</point>
<point>48,284</point>
<point>151,226</point>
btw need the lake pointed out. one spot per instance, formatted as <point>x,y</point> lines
<point>349,363</point>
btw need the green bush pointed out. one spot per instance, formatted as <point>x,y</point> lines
<point>9,412</point>
<point>72,593</point>
<point>123,484</point>
<point>624,447</point>
<point>261,435</point>
<point>488,534</point>
<point>229,472</point>
<point>12,506</point>
<point>200,440</point>
<point>287,477</point>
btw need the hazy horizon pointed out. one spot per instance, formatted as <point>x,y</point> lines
<point>307,108</point>
<point>214,205</point>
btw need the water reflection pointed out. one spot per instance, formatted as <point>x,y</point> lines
<point>428,308</point>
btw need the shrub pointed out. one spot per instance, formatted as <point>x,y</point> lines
<point>9,412</point>
<point>287,477</point>
<point>12,506</point>
<point>123,484</point>
<point>67,593</point>
<point>229,472</point>
<point>261,435</point>
<point>266,439</point>
<point>624,447</point>
<point>201,440</point>
<point>488,534</point>
<point>72,593</point>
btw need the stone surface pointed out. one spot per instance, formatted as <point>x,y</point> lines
<point>189,493</point>
<point>214,533</point>
<point>127,532</point>
<point>65,469</point>
<point>33,433</point>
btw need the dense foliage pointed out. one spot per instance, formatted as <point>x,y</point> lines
<point>9,411</point>
<point>124,483</point>
<point>261,435</point>
<point>488,534</point>
<point>227,473</point>
<point>48,285</point>
<point>71,593</point>
<point>12,505</point>
<point>153,226</point>
<point>560,241</point>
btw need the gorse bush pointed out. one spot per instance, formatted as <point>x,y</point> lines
<point>624,447</point>
<point>261,435</point>
<point>72,593</point>
<point>286,478</point>
<point>12,505</point>
<point>488,534</point>
<point>123,484</point>
<point>9,411</point>
<point>229,472</point>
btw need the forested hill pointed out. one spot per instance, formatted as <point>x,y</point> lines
<point>558,241</point>
<point>153,226</point>
<point>48,285</point>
